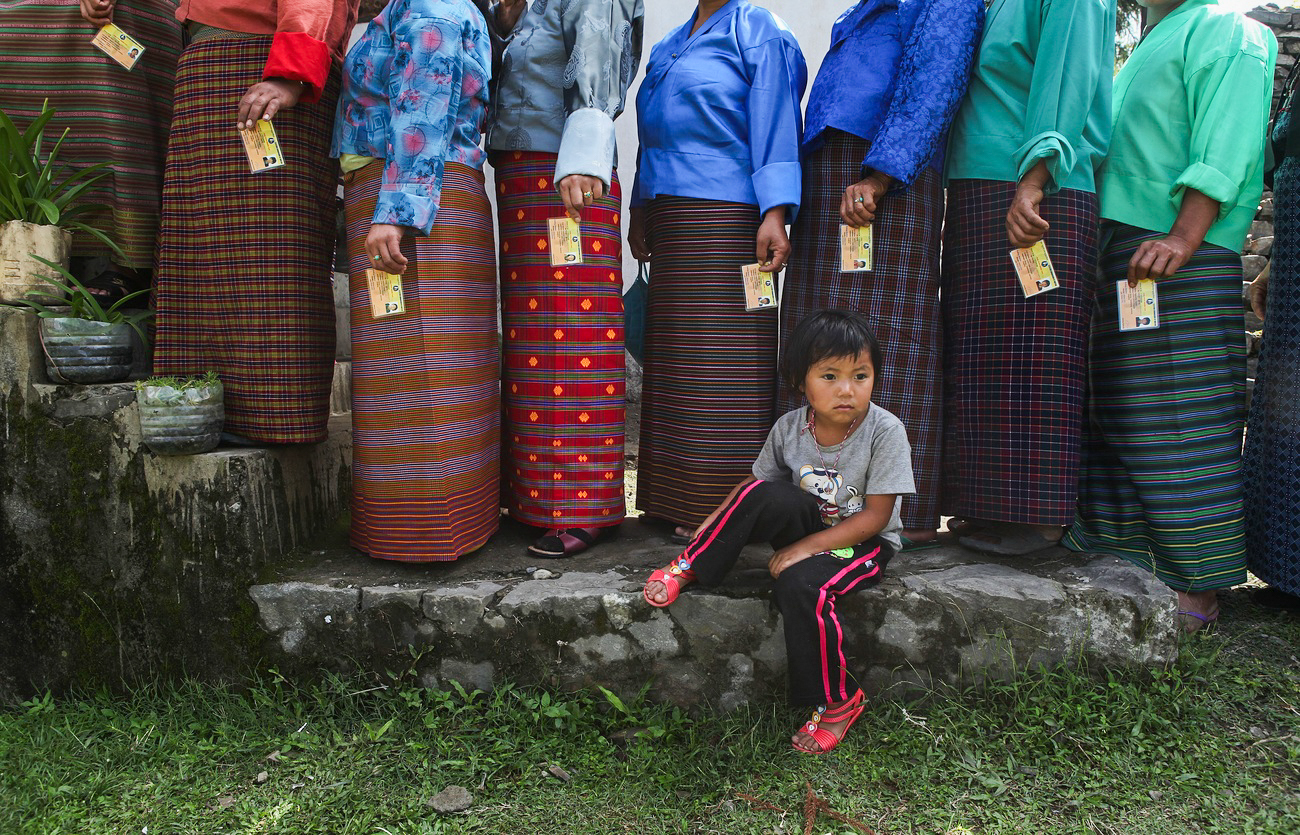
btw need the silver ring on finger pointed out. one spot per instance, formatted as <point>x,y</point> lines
<point>587,195</point>
<point>376,257</point>
<point>858,200</point>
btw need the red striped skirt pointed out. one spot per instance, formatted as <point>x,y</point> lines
<point>1014,367</point>
<point>710,365</point>
<point>900,297</point>
<point>244,260</point>
<point>562,381</point>
<point>426,411</point>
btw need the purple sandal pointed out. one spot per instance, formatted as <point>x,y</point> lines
<point>558,544</point>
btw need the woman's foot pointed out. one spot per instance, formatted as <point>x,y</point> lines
<point>682,535</point>
<point>665,584</point>
<point>919,539</point>
<point>1197,610</point>
<point>1012,539</point>
<point>559,543</point>
<point>828,725</point>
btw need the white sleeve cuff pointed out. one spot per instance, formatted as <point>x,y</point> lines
<point>587,146</point>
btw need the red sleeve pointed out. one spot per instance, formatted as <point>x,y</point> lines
<point>299,51</point>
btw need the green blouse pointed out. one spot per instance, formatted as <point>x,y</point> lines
<point>1191,109</point>
<point>1040,89</point>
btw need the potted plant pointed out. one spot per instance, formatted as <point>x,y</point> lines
<point>181,416</point>
<point>39,206</point>
<point>85,342</point>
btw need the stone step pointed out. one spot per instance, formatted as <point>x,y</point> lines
<point>941,617</point>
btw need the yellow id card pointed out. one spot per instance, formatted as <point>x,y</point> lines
<point>385,293</point>
<point>118,45</point>
<point>760,292</point>
<point>565,241</point>
<point>855,248</point>
<point>1034,269</point>
<point>262,147</point>
<point>1138,308</point>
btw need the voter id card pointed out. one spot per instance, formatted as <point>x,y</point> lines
<point>1034,269</point>
<point>262,147</point>
<point>760,292</point>
<point>855,248</point>
<point>1138,308</point>
<point>118,45</point>
<point>565,241</point>
<point>385,293</point>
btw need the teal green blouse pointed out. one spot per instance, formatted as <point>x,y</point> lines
<point>1040,89</point>
<point>1191,109</point>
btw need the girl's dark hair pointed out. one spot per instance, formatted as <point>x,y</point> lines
<point>826,334</point>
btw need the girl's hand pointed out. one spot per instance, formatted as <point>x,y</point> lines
<point>267,98</point>
<point>384,248</point>
<point>786,557</point>
<point>1159,258</point>
<point>860,201</point>
<point>579,191</point>
<point>772,245</point>
<point>98,12</point>
<point>636,240</point>
<point>1259,293</point>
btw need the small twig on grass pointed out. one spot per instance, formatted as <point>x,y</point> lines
<point>367,690</point>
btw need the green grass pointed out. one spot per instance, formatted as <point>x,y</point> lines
<point>1211,745</point>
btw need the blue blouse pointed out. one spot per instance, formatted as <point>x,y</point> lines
<point>718,112</point>
<point>415,90</point>
<point>894,75</point>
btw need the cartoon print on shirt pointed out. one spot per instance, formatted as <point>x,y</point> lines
<point>853,504</point>
<point>823,483</point>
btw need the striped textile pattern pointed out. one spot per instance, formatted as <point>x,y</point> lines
<point>1161,483</point>
<point>426,408</point>
<point>710,365</point>
<point>900,297</point>
<point>244,260</point>
<point>1014,367</point>
<point>113,116</point>
<point>563,368</point>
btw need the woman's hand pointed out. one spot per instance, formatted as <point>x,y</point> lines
<point>1159,258</point>
<point>772,246</point>
<point>786,557</point>
<point>579,191</point>
<point>1025,226</point>
<point>860,201</point>
<point>267,98</point>
<point>636,240</point>
<point>508,13</point>
<point>384,248</point>
<point>97,12</point>
<point>1259,293</point>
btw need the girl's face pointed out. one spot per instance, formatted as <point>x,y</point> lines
<point>839,389</point>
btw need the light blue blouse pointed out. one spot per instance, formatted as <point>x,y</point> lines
<point>718,112</point>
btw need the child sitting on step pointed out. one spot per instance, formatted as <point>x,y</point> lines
<point>825,493</point>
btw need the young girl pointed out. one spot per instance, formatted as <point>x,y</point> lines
<point>825,493</point>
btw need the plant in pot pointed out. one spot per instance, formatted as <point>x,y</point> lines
<point>85,342</point>
<point>40,205</point>
<point>181,416</point>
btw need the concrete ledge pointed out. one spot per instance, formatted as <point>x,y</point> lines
<point>943,616</point>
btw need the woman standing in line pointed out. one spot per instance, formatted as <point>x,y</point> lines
<point>878,117</point>
<point>1022,161</point>
<point>1161,483</point>
<point>564,79</point>
<point>717,180</point>
<point>426,411</point>
<point>244,260</point>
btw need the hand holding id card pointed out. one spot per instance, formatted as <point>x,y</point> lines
<point>118,45</point>
<point>565,239</point>
<point>1034,269</point>
<point>1138,308</point>
<point>262,146</point>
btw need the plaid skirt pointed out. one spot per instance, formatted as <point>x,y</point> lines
<point>1014,367</point>
<point>426,408</point>
<point>245,260</point>
<point>1161,483</point>
<point>710,365</point>
<point>563,367</point>
<point>113,116</point>
<point>900,297</point>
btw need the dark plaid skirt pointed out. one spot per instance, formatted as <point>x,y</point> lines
<point>1014,367</point>
<point>900,296</point>
<point>244,260</point>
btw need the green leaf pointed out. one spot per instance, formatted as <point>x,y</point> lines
<point>51,211</point>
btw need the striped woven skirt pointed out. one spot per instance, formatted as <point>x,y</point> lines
<point>900,296</point>
<point>563,375</point>
<point>112,116</point>
<point>426,408</point>
<point>1161,483</point>
<point>710,365</point>
<point>1014,367</point>
<point>244,260</point>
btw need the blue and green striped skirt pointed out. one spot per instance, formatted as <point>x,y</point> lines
<point>1161,480</point>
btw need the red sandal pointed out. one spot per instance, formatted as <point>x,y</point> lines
<point>674,577</point>
<point>847,713</point>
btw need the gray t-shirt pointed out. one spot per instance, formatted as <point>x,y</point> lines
<point>875,459</point>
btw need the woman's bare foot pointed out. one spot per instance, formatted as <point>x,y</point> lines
<point>921,536</point>
<point>1197,609</point>
<point>835,719</point>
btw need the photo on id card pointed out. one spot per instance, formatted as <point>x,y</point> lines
<point>1034,269</point>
